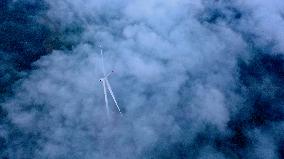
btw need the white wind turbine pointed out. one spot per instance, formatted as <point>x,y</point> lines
<point>106,86</point>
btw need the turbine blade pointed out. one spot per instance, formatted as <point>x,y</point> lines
<point>108,74</point>
<point>111,93</point>
<point>106,100</point>
<point>103,65</point>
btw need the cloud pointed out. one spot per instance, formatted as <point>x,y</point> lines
<point>265,22</point>
<point>210,153</point>
<point>179,79</point>
<point>264,146</point>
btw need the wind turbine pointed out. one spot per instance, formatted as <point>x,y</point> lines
<point>106,86</point>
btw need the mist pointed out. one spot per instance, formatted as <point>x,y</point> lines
<point>194,79</point>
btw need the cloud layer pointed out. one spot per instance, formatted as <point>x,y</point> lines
<point>201,79</point>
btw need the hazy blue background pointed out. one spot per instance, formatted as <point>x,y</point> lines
<point>198,79</point>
